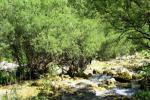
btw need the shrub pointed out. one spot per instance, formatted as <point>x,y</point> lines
<point>143,95</point>
<point>145,53</point>
<point>7,77</point>
<point>23,73</point>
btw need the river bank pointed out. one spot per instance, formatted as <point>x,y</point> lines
<point>117,78</point>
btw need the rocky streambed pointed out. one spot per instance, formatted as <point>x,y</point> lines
<point>96,87</point>
<point>106,81</point>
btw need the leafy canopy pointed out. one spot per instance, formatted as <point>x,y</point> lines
<point>47,30</point>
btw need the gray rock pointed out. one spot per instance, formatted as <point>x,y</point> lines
<point>111,81</point>
<point>119,73</point>
<point>8,66</point>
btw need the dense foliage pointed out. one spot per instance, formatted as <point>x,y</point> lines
<point>7,78</point>
<point>41,31</point>
<point>44,35</point>
<point>129,17</point>
<point>144,95</point>
<point>37,32</point>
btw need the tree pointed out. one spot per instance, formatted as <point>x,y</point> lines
<point>20,22</point>
<point>38,32</point>
<point>131,17</point>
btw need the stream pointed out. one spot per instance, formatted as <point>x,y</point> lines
<point>99,86</point>
<point>90,89</point>
<point>116,90</point>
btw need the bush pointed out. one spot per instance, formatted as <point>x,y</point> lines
<point>7,77</point>
<point>23,73</point>
<point>114,46</point>
<point>145,53</point>
<point>143,95</point>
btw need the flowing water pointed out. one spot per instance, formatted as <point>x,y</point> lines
<point>82,85</point>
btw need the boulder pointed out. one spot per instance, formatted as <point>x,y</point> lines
<point>88,70</point>
<point>8,66</point>
<point>94,68</point>
<point>120,74</point>
<point>123,76</point>
<point>111,81</point>
<point>107,83</point>
<point>110,72</point>
<point>137,76</point>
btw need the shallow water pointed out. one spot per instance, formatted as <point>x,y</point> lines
<point>95,79</point>
<point>116,91</point>
<point>124,92</point>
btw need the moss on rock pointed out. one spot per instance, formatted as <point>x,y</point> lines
<point>123,76</point>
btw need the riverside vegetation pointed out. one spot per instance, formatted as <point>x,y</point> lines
<point>74,49</point>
